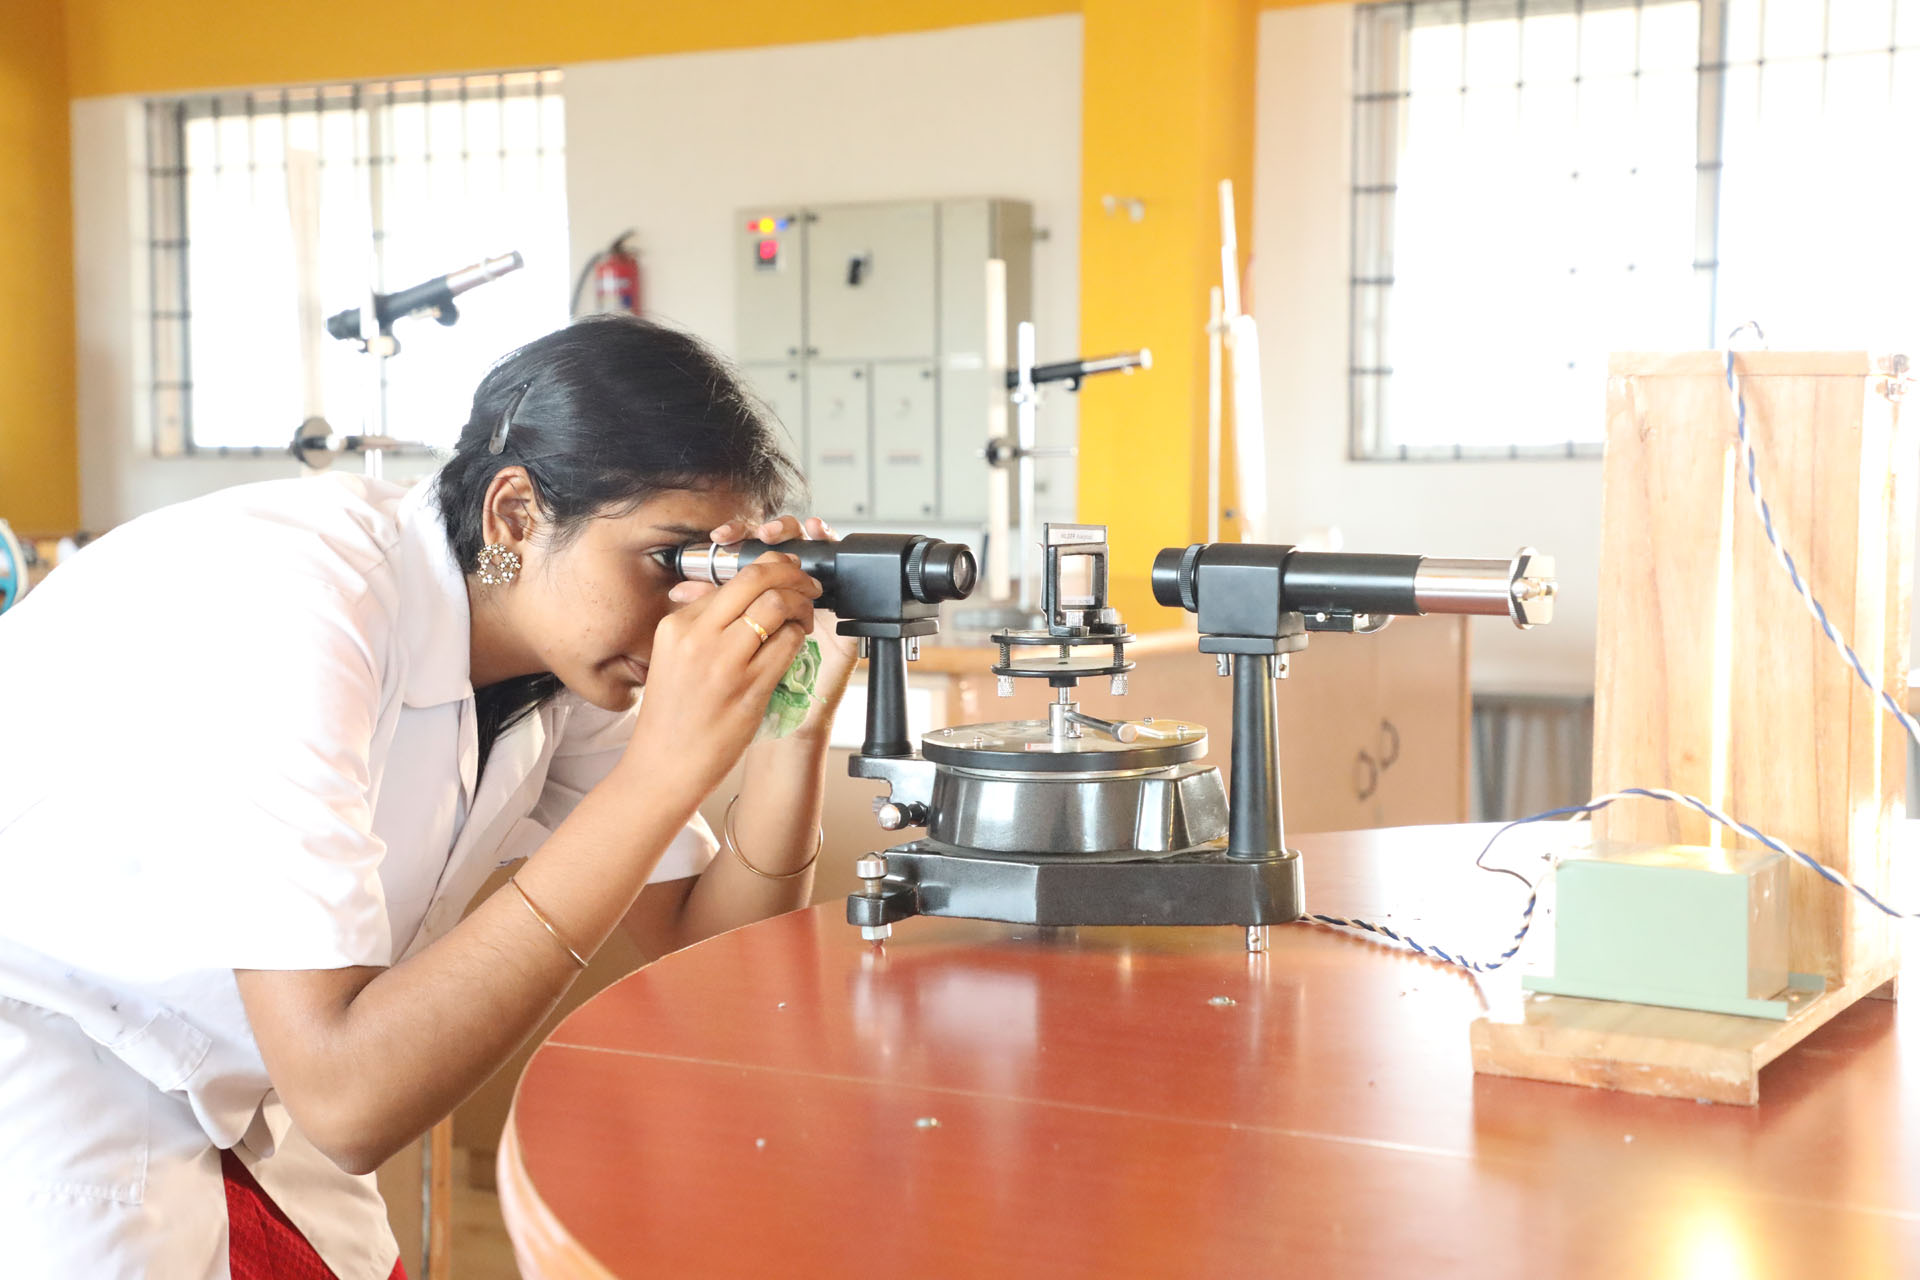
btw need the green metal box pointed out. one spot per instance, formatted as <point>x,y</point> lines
<point>1676,925</point>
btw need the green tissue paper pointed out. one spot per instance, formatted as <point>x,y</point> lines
<point>793,697</point>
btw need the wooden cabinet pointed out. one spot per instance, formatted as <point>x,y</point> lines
<point>1374,730</point>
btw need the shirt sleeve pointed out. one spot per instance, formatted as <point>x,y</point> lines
<point>225,821</point>
<point>590,746</point>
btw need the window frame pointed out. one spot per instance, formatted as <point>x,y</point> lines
<point>1710,71</point>
<point>168,235</point>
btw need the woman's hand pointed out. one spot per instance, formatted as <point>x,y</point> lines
<point>838,654</point>
<point>712,674</point>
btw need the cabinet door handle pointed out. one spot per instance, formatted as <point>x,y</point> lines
<point>836,455</point>
<point>904,459</point>
<point>1389,744</point>
<point>1366,776</point>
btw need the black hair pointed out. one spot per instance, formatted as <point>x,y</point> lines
<point>605,414</point>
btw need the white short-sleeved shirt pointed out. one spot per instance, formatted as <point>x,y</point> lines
<point>238,733</point>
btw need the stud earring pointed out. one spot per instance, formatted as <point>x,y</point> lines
<point>497,566</point>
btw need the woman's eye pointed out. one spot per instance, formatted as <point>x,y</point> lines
<point>664,557</point>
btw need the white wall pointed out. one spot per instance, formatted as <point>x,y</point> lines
<point>1302,167</point>
<point>675,145</point>
<point>672,146</point>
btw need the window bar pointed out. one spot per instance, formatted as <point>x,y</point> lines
<point>155,113</point>
<point>177,435</point>
<point>426,133</point>
<point>1363,23</point>
<point>1893,50</point>
<point>1826,49</point>
<point>500,110</point>
<point>379,135</point>
<point>540,120</point>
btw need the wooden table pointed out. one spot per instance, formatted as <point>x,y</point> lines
<point>975,1099</point>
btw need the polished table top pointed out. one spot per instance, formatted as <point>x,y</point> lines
<point>981,1099</point>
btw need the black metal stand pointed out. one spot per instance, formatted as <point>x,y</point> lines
<point>886,642</point>
<point>1254,825</point>
<point>1204,886</point>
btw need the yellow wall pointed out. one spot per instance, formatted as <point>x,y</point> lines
<point>147,46</point>
<point>39,480</point>
<point>1167,113</point>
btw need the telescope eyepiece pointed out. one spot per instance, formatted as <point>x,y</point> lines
<point>864,575</point>
<point>1175,577</point>
<point>940,571</point>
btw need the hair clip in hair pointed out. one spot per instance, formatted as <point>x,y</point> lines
<point>499,440</point>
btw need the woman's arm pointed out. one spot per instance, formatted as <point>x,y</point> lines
<point>367,1059</point>
<point>776,826</point>
<point>776,817</point>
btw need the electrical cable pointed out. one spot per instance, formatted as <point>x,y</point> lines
<point>1426,949</point>
<point>1572,811</point>
<point>1785,559</point>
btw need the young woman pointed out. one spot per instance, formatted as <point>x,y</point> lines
<point>261,749</point>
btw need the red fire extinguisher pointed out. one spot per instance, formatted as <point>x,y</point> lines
<point>615,275</point>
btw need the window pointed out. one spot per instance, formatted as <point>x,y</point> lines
<point>1538,183</point>
<point>370,186</point>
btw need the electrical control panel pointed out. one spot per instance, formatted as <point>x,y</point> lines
<point>866,327</point>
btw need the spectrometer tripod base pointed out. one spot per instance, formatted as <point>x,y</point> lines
<point>1202,886</point>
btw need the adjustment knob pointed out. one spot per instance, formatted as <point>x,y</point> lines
<point>917,571</point>
<point>893,815</point>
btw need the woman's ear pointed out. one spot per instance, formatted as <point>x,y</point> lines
<point>508,516</point>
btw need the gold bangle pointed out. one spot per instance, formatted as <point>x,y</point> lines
<point>726,832</point>
<point>541,916</point>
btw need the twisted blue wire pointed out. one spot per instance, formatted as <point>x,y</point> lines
<point>1593,806</point>
<point>1818,610</point>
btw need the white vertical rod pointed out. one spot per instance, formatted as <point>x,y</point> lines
<point>1229,254</point>
<point>1027,400</point>
<point>1216,326</point>
<point>999,499</point>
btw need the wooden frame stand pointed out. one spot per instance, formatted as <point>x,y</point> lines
<point>1714,680</point>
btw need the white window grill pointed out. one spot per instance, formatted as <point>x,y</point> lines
<point>379,185</point>
<point>1537,183</point>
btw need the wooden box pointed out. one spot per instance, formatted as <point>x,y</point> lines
<point>1714,680</point>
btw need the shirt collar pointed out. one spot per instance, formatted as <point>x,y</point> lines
<point>436,620</point>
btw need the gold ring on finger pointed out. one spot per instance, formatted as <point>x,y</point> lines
<point>758,630</point>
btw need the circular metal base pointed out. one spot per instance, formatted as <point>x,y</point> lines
<point>1028,746</point>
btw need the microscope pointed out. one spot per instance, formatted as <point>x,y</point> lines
<point>1076,820</point>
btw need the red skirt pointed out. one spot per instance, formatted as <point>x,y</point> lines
<point>261,1243</point>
